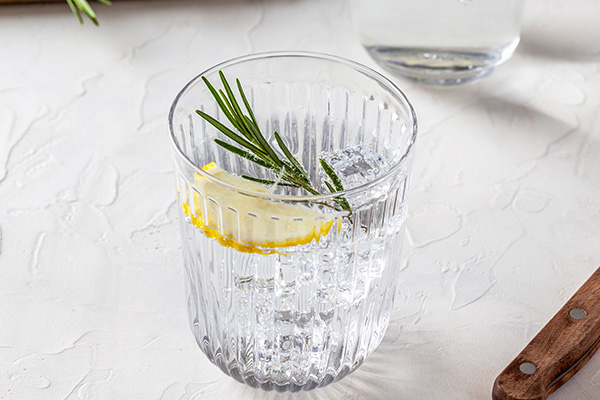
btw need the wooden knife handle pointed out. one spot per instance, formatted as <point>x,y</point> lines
<point>561,348</point>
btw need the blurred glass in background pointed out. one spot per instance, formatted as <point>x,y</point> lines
<point>439,42</point>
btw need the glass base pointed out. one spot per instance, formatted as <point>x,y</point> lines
<point>439,66</point>
<point>248,378</point>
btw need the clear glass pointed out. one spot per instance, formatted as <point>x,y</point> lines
<point>304,314</point>
<point>441,42</point>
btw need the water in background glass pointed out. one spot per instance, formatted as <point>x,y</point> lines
<point>441,42</point>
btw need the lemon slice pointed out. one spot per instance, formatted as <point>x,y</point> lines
<point>250,224</point>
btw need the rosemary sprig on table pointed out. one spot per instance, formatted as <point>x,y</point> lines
<point>254,147</point>
<point>78,6</point>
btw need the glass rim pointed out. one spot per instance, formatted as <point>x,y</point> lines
<point>378,77</point>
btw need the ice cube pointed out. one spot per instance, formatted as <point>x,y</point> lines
<point>355,165</point>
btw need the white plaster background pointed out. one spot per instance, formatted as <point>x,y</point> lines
<point>505,203</point>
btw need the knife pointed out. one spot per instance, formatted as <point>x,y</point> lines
<point>558,351</point>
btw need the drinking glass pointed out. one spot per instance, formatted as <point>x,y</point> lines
<point>287,290</point>
<point>440,42</point>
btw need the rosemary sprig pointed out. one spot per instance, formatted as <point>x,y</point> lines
<point>254,147</point>
<point>78,6</point>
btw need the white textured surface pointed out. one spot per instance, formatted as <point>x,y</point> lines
<point>505,203</point>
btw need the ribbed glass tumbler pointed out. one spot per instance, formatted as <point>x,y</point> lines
<point>289,288</point>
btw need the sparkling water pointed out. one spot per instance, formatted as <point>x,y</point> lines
<point>305,315</point>
<point>439,41</point>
